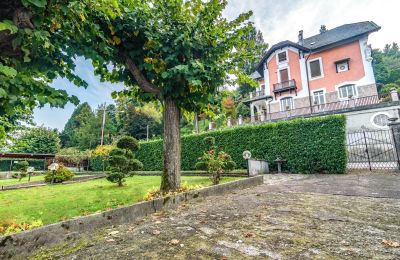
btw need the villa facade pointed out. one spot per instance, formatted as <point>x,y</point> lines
<point>328,72</point>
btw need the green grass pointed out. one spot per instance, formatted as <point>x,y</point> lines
<point>59,202</point>
<point>5,182</point>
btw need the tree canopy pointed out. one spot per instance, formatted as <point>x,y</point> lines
<point>387,64</point>
<point>37,140</point>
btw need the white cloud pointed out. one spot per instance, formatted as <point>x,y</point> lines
<point>281,20</point>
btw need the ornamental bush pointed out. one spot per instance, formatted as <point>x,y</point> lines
<point>309,145</point>
<point>215,161</point>
<point>122,162</point>
<point>22,168</point>
<point>59,176</point>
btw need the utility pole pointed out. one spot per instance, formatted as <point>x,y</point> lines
<point>147,132</point>
<point>103,124</point>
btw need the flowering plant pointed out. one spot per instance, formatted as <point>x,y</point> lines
<point>214,162</point>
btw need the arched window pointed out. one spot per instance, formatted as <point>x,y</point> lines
<point>380,120</point>
<point>347,91</point>
<point>286,104</point>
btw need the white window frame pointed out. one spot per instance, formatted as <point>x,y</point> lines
<point>344,85</point>
<point>338,64</point>
<point>320,66</point>
<point>277,58</point>
<point>313,96</point>
<point>280,103</point>
<point>377,114</point>
<point>279,73</point>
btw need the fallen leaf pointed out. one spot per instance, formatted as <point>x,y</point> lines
<point>113,233</point>
<point>156,232</point>
<point>110,240</point>
<point>391,243</point>
<point>249,235</point>
<point>173,242</point>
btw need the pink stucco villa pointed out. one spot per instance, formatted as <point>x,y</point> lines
<point>327,72</point>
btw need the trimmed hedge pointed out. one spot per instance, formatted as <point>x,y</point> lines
<point>38,164</point>
<point>311,145</point>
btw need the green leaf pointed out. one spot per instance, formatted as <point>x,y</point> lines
<point>8,25</point>
<point>8,71</point>
<point>38,3</point>
<point>164,75</point>
<point>3,93</point>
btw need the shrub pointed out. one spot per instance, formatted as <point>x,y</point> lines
<point>122,160</point>
<point>213,161</point>
<point>155,192</point>
<point>308,145</point>
<point>11,226</point>
<point>22,168</point>
<point>59,176</point>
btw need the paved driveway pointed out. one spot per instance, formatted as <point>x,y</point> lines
<point>289,217</point>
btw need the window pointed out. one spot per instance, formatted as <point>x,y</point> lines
<point>319,97</point>
<point>315,68</point>
<point>342,65</point>
<point>347,91</point>
<point>380,120</point>
<point>282,56</point>
<point>286,104</point>
<point>284,75</point>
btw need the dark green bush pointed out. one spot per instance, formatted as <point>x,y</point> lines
<point>61,175</point>
<point>122,162</point>
<point>313,145</point>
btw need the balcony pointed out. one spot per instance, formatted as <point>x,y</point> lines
<point>288,85</point>
<point>255,95</point>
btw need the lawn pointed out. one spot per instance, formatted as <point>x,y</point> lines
<point>59,202</point>
<point>5,182</point>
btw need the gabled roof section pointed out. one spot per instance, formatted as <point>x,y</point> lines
<point>275,47</point>
<point>329,38</point>
<point>339,34</point>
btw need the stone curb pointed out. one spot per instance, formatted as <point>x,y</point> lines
<point>26,242</point>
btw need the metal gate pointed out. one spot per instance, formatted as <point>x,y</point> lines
<point>372,149</point>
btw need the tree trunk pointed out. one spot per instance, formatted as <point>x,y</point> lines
<point>171,178</point>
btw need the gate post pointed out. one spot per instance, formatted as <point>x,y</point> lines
<point>366,150</point>
<point>395,129</point>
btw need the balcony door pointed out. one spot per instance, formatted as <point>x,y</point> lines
<point>284,75</point>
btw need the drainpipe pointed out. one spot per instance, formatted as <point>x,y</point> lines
<point>308,82</point>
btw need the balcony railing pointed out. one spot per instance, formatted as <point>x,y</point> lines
<point>256,94</point>
<point>285,85</point>
<point>326,108</point>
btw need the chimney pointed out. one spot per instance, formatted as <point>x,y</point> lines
<point>323,29</point>
<point>301,39</point>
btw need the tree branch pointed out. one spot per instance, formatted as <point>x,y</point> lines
<point>143,83</point>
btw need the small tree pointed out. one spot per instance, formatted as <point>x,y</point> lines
<point>122,160</point>
<point>22,168</point>
<point>215,162</point>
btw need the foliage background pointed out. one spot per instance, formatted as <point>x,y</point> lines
<point>309,145</point>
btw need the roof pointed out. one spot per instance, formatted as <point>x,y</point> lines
<point>327,39</point>
<point>255,75</point>
<point>341,33</point>
<point>26,156</point>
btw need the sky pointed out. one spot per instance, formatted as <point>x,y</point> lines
<point>277,19</point>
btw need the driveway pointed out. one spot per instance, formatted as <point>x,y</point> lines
<point>288,217</point>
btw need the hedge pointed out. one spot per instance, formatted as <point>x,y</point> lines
<point>37,163</point>
<point>309,145</point>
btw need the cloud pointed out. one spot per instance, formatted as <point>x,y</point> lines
<point>281,20</point>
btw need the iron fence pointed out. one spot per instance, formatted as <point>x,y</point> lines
<point>372,149</point>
